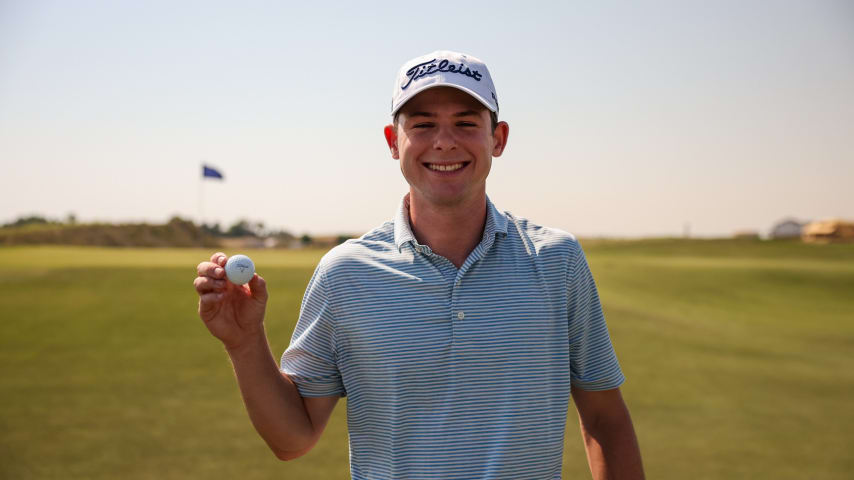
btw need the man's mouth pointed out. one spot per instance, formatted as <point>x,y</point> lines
<point>446,167</point>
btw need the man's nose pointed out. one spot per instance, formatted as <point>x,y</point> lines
<point>444,139</point>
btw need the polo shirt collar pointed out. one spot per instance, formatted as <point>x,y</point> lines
<point>496,222</point>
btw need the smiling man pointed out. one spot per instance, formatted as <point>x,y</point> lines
<point>457,331</point>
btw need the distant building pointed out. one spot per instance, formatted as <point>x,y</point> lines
<point>828,231</point>
<point>788,228</point>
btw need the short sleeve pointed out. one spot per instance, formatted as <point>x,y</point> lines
<point>592,361</point>
<point>311,359</point>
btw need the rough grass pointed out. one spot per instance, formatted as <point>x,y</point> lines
<point>737,353</point>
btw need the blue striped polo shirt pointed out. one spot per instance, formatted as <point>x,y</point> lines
<point>453,373</point>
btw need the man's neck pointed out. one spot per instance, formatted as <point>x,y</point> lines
<point>451,231</point>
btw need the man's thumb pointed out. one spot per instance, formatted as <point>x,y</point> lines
<point>258,288</point>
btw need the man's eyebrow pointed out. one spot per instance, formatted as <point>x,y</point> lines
<point>467,113</point>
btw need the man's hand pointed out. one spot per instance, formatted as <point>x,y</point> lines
<point>233,313</point>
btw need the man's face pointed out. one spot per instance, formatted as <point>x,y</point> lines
<point>445,143</point>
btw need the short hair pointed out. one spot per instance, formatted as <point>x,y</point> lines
<point>493,116</point>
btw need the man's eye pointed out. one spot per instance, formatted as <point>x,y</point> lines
<point>466,124</point>
<point>422,125</point>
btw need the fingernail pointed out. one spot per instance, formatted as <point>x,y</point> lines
<point>218,271</point>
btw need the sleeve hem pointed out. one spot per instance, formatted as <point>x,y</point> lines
<point>599,385</point>
<point>323,390</point>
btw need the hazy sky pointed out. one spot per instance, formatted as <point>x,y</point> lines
<point>626,118</point>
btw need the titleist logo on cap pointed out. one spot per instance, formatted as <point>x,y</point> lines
<point>430,67</point>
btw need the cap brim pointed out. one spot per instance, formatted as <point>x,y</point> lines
<point>434,85</point>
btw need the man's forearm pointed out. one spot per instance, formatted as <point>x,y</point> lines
<point>272,400</point>
<point>612,449</point>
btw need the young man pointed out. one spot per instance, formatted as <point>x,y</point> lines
<point>456,330</point>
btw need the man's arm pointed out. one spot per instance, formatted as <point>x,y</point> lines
<point>289,423</point>
<point>609,437</point>
<point>234,314</point>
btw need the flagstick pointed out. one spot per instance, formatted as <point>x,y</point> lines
<point>202,201</point>
<point>202,206</point>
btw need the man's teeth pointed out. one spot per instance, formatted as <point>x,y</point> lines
<point>445,168</point>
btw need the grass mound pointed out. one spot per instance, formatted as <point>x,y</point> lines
<point>175,233</point>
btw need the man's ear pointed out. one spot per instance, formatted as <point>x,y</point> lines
<point>391,139</point>
<point>499,138</point>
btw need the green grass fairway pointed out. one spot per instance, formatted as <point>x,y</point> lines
<point>739,357</point>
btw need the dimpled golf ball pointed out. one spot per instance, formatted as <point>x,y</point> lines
<point>239,269</point>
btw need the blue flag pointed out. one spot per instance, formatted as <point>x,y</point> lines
<point>208,172</point>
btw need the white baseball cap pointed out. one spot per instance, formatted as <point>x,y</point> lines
<point>443,68</point>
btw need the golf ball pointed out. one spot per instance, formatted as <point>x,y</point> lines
<point>239,269</point>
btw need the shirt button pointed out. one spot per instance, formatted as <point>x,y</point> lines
<point>419,249</point>
<point>461,315</point>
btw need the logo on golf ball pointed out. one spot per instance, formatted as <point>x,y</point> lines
<point>239,269</point>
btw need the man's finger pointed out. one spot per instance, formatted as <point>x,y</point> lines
<point>210,269</point>
<point>258,288</point>
<point>219,258</point>
<point>209,303</point>
<point>207,284</point>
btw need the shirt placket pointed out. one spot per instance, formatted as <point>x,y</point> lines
<point>456,309</point>
<point>449,273</point>
<point>458,304</point>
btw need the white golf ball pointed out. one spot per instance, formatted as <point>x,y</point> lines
<point>239,269</point>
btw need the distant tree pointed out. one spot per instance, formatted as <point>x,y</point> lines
<point>306,240</point>
<point>31,220</point>
<point>177,221</point>
<point>343,238</point>
<point>258,229</point>
<point>283,235</point>
<point>71,218</point>
<point>241,228</point>
<point>213,229</point>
